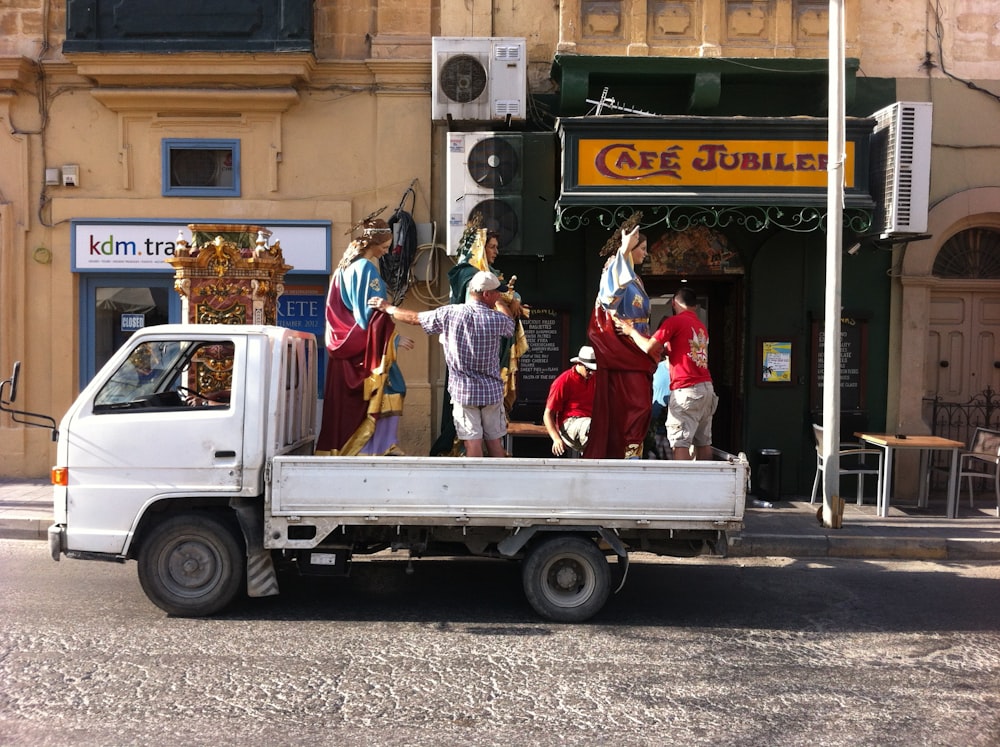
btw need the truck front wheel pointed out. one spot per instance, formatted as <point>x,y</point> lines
<point>566,579</point>
<point>191,565</point>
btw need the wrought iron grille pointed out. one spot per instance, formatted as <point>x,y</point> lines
<point>958,421</point>
<point>680,217</point>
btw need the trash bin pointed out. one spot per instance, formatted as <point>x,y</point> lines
<point>767,482</point>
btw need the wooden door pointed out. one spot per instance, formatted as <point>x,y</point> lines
<point>963,346</point>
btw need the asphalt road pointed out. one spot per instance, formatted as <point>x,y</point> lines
<point>722,652</point>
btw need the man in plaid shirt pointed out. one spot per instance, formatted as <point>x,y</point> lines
<point>470,333</point>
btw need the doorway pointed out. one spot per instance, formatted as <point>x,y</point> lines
<point>720,301</point>
<point>115,306</point>
<point>963,344</point>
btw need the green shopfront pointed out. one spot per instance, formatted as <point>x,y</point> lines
<point>734,206</point>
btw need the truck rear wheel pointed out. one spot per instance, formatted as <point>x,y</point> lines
<point>191,565</point>
<point>566,579</point>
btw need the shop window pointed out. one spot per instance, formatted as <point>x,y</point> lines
<point>201,168</point>
<point>114,306</point>
<point>303,307</point>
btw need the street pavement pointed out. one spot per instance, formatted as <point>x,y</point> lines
<point>788,529</point>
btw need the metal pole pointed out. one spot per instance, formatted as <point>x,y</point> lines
<point>832,505</point>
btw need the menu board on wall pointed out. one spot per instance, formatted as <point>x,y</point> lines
<point>547,333</point>
<point>853,361</point>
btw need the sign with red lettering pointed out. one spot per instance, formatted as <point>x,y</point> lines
<point>696,163</point>
<point>724,160</point>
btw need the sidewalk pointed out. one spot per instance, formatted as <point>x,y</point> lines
<point>790,529</point>
<point>25,509</point>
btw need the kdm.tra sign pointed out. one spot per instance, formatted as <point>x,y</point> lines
<point>145,247</point>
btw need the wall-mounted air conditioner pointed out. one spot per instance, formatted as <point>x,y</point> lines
<point>508,179</point>
<point>901,168</point>
<point>478,78</point>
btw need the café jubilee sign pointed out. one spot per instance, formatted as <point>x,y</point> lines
<point>650,160</point>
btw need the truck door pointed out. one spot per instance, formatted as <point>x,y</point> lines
<point>167,421</point>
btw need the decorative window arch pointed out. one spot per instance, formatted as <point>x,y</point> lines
<point>973,253</point>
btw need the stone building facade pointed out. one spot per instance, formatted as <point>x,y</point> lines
<point>330,116</point>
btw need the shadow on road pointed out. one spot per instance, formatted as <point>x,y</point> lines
<point>847,595</point>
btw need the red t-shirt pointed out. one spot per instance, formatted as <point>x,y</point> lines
<point>686,341</point>
<point>571,396</point>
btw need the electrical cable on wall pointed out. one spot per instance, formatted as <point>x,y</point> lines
<point>424,290</point>
<point>939,27</point>
<point>395,265</point>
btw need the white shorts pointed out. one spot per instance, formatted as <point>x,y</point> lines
<point>689,415</point>
<point>473,422</point>
<point>575,432</point>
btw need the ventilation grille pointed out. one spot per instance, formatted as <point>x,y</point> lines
<point>462,78</point>
<point>900,178</point>
<point>507,52</point>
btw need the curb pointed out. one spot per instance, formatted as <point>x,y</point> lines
<point>779,545</point>
<point>744,546</point>
<point>871,548</point>
<point>972,549</point>
<point>25,529</point>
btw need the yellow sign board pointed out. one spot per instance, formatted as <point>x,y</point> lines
<point>621,163</point>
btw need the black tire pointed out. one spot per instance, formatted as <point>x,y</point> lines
<point>566,578</point>
<point>192,565</point>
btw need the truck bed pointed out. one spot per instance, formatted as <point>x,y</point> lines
<point>613,493</point>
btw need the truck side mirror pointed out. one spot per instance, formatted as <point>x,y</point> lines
<point>31,419</point>
<point>15,375</point>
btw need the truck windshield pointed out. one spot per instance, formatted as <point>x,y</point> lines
<point>169,373</point>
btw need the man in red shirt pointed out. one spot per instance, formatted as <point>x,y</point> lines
<point>692,397</point>
<point>570,403</point>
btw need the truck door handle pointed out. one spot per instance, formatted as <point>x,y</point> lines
<point>224,454</point>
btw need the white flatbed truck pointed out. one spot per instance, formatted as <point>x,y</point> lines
<point>216,493</point>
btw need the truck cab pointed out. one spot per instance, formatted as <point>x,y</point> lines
<point>166,422</point>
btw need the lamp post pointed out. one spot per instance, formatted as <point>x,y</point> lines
<point>832,505</point>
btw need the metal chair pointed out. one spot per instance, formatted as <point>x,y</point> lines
<point>856,464</point>
<point>981,461</point>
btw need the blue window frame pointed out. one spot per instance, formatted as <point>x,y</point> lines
<point>201,168</point>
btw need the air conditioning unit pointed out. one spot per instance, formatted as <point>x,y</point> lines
<point>478,78</point>
<point>508,179</point>
<point>901,168</point>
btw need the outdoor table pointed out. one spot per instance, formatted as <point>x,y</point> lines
<point>890,443</point>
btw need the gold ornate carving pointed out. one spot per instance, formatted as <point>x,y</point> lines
<point>260,288</point>
<point>214,365</point>
<point>220,289</point>
<point>236,313</point>
<point>228,274</point>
